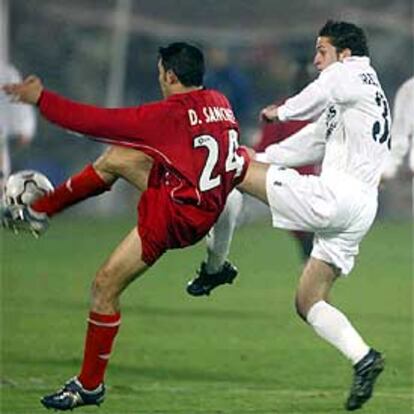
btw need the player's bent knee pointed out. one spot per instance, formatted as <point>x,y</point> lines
<point>128,163</point>
<point>108,162</point>
<point>254,182</point>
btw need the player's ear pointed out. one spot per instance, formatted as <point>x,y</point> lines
<point>345,53</point>
<point>171,77</point>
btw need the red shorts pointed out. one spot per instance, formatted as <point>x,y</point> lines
<point>164,223</point>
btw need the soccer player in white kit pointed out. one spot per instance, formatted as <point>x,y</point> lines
<point>402,131</point>
<point>16,120</point>
<point>351,136</point>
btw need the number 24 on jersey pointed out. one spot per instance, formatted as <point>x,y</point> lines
<point>234,161</point>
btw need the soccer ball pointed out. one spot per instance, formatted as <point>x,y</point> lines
<point>24,187</point>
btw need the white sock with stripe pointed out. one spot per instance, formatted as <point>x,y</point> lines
<point>333,326</point>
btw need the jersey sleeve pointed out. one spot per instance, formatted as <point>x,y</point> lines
<point>125,126</point>
<point>305,147</point>
<point>334,84</point>
<point>307,104</point>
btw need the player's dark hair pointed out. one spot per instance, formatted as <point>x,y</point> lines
<point>345,35</point>
<point>185,60</point>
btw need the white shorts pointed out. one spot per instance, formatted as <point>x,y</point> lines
<point>339,210</point>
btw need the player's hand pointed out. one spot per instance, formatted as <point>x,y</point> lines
<point>269,114</point>
<point>28,91</point>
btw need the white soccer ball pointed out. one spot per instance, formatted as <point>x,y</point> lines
<point>24,187</point>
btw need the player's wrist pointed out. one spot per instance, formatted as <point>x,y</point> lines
<point>37,96</point>
<point>281,114</point>
<point>40,97</point>
<point>270,114</point>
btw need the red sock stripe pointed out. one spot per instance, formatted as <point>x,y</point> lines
<point>100,336</point>
<point>100,319</point>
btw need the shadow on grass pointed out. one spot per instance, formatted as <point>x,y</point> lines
<point>208,312</point>
<point>158,374</point>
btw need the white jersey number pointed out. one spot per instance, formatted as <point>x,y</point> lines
<point>207,182</point>
<point>234,161</point>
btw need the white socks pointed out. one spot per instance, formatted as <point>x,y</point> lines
<point>220,236</point>
<point>334,327</point>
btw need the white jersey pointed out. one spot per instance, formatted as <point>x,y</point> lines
<point>402,131</point>
<point>15,119</point>
<point>352,130</point>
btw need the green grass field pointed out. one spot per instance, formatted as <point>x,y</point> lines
<point>242,350</point>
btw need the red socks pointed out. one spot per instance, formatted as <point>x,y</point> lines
<point>102,330</point>
<point>85,184</point>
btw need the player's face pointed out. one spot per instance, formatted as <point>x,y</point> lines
<point>326,53</point>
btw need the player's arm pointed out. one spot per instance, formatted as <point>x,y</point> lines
<point>332,85</point>
<point>116,124</point>
<point>90,120</point>
<point>305,147</point>
<point>308,104</point>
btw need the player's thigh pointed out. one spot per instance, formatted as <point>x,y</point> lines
<point>254,182</point>
<point>300,202</point>
<point>315,284</point>
<point>124,265</point>
<point>128,163</point>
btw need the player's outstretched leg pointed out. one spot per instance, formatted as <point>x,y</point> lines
<point>217,270</point>
<point>73,395</point>
<point>366,373</point>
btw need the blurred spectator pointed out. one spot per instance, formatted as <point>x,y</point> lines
<point>225,76</point>
<point>16,121</point>
<point>272,70</point>
<point>402,132</point>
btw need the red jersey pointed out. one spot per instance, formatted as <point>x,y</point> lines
<point>193,136</point>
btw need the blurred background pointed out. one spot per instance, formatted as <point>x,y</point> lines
<point>105,52</point>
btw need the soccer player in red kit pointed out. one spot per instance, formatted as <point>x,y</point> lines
<point>189,145</point>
